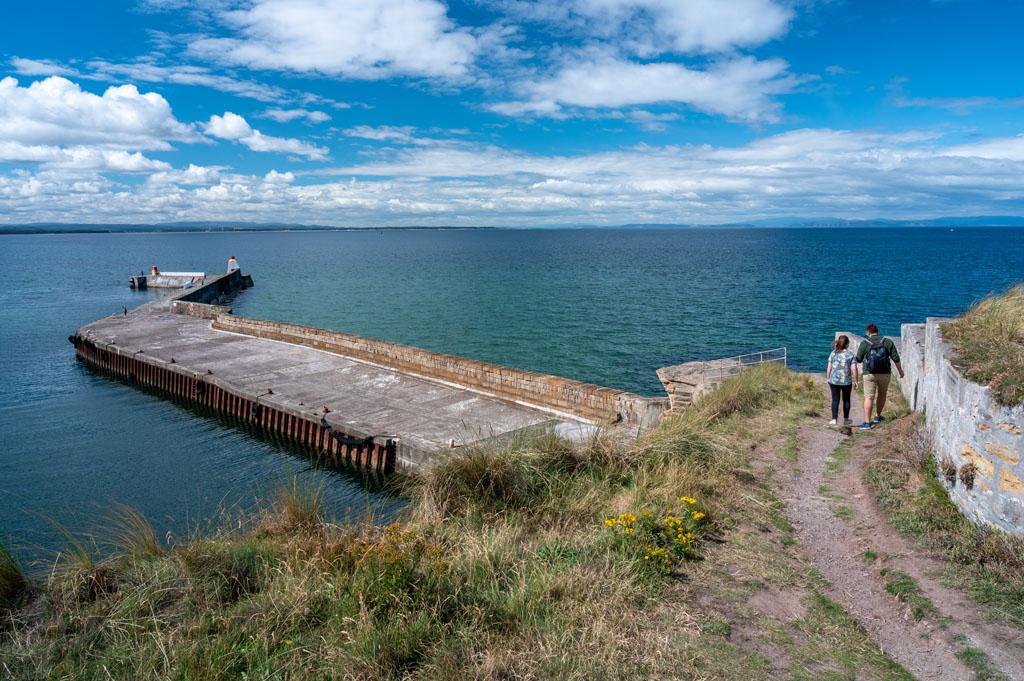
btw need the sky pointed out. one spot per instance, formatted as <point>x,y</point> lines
<point>509,112</point>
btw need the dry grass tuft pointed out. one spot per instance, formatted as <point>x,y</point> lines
<point>298,504</point>
<point>13,580</point>
<point>989,342</point>
<point>129,531</point>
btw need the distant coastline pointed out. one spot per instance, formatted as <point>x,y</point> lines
<point>787,223</point>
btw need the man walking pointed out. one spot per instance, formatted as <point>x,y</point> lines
<point>878,355</point>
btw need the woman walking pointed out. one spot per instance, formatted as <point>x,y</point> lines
<point>842,378</point>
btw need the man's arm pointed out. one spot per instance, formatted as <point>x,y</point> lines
<point>895,355</point>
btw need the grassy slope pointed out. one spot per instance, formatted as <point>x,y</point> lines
<point>989,342</point>
<point>505,568</point>
<point>983,561</point>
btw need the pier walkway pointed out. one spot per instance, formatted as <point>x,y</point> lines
<point>377,414</point>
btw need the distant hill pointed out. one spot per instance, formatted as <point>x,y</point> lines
<point>220,226</point>
<point>97,228</point>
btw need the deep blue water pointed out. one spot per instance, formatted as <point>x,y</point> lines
<point>608,307</point>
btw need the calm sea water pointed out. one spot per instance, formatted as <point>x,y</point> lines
<point>608,307</point>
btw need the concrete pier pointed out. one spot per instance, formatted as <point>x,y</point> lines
<point>375,404</point>
<point>167,280</point>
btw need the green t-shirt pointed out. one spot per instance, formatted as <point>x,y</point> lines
<point>887,343</point>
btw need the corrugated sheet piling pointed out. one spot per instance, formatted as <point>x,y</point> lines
<point>307,430</point>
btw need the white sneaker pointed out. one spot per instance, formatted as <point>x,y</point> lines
<point>832,422</point>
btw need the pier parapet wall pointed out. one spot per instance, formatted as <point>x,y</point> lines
<point>205,301</point>
<point>966,425</point>
<point>548,393</point>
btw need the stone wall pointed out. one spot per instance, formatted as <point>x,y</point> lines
<point>968,426</point>
<point>548,393</point>
<point>215,289</point>
<point>201,310</point>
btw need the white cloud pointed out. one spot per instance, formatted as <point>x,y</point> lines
<point>286,115</point>
<point>231,126</point>
<point>146,70</point>
<point>41,67</point>
<point>1006,148</point>
<point>57,111</point>
<point>349,38</point>
<point>857,173</point>
<point>192,175</point>
<point>962,106</point>
<point>382,133</point>
<point>80,158</point>
<point>184,74</point>
<point>649,27</point>
<point>619,59</point>
<point>651,121</point>
<point>274,177</point>
<point>836,70</point>
<point>739,89</point>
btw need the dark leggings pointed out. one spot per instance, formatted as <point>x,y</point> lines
<point>838,390</point>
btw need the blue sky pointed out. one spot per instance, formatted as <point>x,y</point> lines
<point>509,112</point>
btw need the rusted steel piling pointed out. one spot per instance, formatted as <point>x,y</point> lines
<point>309,430</point>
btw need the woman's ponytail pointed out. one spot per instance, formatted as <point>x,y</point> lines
<point>840,344</point>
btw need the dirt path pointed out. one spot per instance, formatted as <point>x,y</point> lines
<point>837,548</point>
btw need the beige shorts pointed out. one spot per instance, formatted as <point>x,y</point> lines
<point>875,385</point>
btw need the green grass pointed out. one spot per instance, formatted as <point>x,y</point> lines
<point>831,651</point>
<point>988,340</point>
<point>985,562</point>
<point>844,513</point>
<point>837,462</point>
<point>906,589</point>
<point>979,663</point>
<point>503,567</point>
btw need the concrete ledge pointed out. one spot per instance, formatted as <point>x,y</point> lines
<point>558,395</point>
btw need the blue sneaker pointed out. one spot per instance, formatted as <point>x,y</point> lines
<point>879,419</point>
<point>865,426</point>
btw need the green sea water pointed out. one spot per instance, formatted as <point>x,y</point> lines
<point>603,306</point>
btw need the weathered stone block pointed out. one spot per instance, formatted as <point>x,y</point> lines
<point>1010,482</point>
<point>983,465</point>
<point>1004,452</point>
<point>1010,428</point>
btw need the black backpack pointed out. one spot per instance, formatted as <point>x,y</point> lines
<point>878,359</point>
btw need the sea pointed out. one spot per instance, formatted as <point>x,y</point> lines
<point>602,306</point>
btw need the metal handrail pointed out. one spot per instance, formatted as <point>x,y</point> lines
<point>738,363</point>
